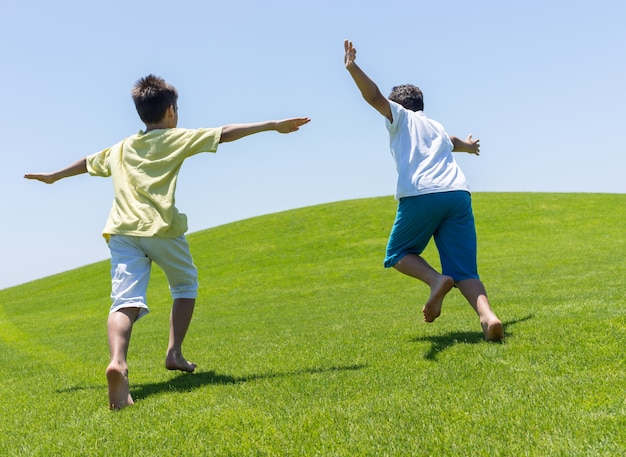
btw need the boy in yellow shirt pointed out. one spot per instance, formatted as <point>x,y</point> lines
<point>144,225</point>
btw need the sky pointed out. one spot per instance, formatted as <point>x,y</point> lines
<point>541,83</point>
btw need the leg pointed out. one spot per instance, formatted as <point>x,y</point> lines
<point>417,220</point>
<point>119,328</point>
<point>173,256</point>
<point>180,318</point>
<point>474,292</point>
<point>416,267</point>
<point>456,242</point>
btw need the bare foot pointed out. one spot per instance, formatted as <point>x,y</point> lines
<point>432,308</point>
<point>119,389</point>
<point>176,361</point>
<point>493,329</point>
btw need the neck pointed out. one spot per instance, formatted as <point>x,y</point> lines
<point>160,125</point>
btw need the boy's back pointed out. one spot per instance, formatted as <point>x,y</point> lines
<point>422,151</point>
<point>144,168</point>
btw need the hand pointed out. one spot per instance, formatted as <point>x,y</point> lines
<point>473,145</point>
<point>47,178</point>
<point>350,55</point>
<point>291,125</point>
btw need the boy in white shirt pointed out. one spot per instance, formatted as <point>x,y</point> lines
<point>144,225</point>
<point>434,200</point>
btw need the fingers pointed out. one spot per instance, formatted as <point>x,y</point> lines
<point>471,140</point>
<point>291,125</point>
<point>298,122</point>
<point>39,177</point>
<point>301,121</point>
<point>475,143</point>
<point>350,51</point>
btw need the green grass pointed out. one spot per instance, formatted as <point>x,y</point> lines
<point>306,346</point>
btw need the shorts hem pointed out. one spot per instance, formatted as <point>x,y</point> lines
<point>391,261</point>
<point>462,278</point>
<point>187,295</point>
<point>143,309</point>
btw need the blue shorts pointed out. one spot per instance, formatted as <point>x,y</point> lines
<point>446,216</point>
<point>131,262</point>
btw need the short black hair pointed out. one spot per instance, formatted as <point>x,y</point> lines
<point>409,96</point>
<point>152,96</point>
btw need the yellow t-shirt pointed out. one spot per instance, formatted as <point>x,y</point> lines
<point>144,168</point>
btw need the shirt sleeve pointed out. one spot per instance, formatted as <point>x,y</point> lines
<point>397,112</point>
<point>98,164</point>
<point>202,140</point>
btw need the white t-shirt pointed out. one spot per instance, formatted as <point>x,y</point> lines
<point>422,151</point>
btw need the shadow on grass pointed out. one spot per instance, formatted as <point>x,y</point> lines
<point>185,382</point>
<point>442,342</point>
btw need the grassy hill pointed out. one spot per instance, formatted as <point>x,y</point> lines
<point>305,345</point>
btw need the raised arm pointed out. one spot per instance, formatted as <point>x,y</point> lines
<point>235,132</point>
<point>468,145</point>
<point>77,168</point>
<point>369,90</point>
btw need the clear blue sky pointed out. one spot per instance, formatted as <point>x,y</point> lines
<point>541,83</point>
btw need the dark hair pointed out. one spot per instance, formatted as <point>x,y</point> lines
<point>152,96</point>
<point>409,96</point>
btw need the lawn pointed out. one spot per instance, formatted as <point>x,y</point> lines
<point>306,345</point>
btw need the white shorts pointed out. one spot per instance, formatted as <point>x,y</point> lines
<point>131,262</point>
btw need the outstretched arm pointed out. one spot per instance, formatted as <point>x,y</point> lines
<point>77,168</point>
<point>468,145</point>
<point>235,132</point>
<point>368,88</point>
